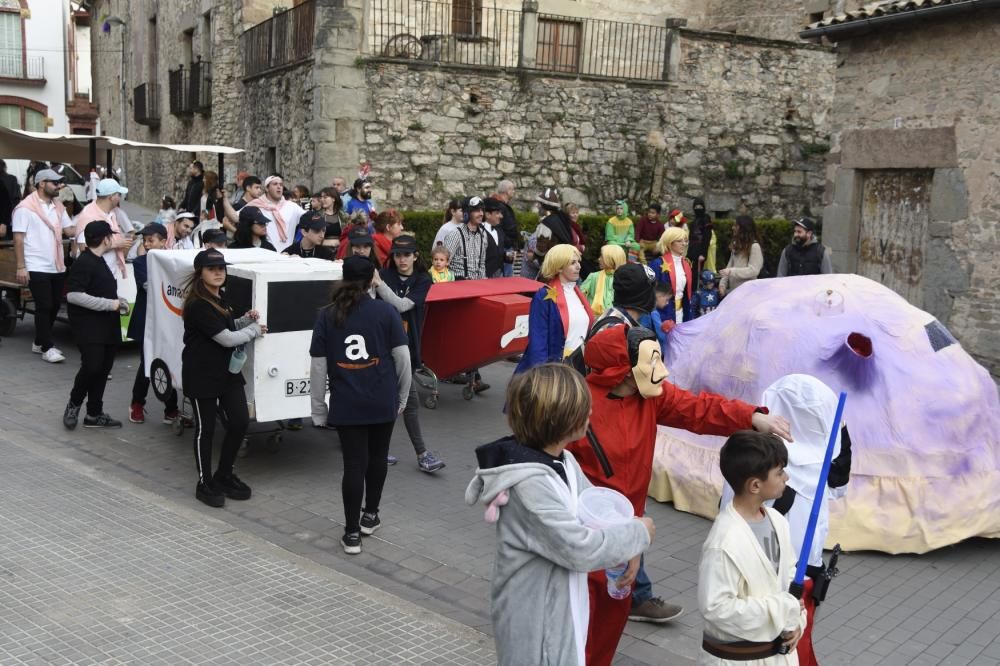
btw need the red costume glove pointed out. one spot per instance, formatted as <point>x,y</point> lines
<point>667,326</point>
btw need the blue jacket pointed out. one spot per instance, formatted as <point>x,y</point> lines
<point>548,320</point>
<point>664,274</point>
<point>137,324</point>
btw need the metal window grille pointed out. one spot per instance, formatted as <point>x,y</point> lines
<point>467,17</point>
<point>180,91</point>
<point>613,49</point>
<point>17,66</point>
<point>201,87</point>
<point>558,45</point>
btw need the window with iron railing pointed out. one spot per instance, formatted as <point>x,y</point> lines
<point>145,104</point>
<point>179,82</point>
<point>467,17</point>
<point>558,45</point>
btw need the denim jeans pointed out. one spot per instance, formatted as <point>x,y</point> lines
<point>642,588</point>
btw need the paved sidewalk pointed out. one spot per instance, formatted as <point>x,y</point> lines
<point>942,607</point>
<point>97,574</point>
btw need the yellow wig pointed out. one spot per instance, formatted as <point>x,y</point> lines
<point>557,258</point>
<point>612,256</point>
<point>669,236</point>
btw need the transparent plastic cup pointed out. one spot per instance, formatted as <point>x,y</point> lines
<point>600,508</point>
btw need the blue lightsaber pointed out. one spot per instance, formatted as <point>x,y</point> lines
<point>798,583</point>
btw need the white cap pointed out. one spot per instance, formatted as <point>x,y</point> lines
<point>109,186</point>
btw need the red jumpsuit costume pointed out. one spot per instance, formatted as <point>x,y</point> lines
<point>626,429</point>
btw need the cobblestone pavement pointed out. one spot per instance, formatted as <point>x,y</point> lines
<point>98,574</point>
<point>436,552</point>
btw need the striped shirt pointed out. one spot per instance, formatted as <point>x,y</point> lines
<point>468,252</point>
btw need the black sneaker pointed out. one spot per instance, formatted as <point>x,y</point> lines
<point>369,523</point>
<point>232,487</point>
<point>71,416</point>
<point>351,543</point>
<point>100,421</point>
<point>210,495</point>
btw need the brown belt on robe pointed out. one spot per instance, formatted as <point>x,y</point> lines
<point>740,650</point>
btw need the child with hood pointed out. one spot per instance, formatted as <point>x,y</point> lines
<point>621,232</point>
<point>539,600</point>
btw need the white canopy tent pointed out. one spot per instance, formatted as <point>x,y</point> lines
<point>82,148</point>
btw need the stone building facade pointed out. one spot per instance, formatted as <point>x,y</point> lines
<point>914,199</point>
<point>732,118</point>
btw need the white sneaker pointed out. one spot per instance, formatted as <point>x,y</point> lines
<point>36,349</point>
<point>53,355</point>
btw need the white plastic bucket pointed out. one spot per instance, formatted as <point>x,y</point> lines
<point>599,508</point>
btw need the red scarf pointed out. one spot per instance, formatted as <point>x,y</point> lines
<point>33,202</point>
<point>91,213</point>
<point>274,209</point>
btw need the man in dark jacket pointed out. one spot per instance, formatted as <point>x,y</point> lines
<point>509,229</point>
<point>805,255</point>
<point>195,187</point>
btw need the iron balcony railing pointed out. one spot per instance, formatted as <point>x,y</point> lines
<point>463,32</point>
<point>190,89</point>
<point>145,106</point>
<point>472,33</point>
<point>17,66</point>
<point>284,39</point>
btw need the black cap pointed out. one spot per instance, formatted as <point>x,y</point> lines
<point>635,287</point>
<point>358,269</point>
<point>472,203</point>
<point>96,231</point>
<point>214,236</point>
<point>253,215</point>
<point>492,205</point>
<point>209,258</point>
<point>153,228</point>
<point>312,220</point>
<point>806,223</point>
<point>359,236</point>
<point>403,244</point>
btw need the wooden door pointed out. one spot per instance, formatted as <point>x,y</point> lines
<point>558,45</point>
<point>895,211</point>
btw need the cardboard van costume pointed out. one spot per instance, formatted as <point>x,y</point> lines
<point>286,291</point>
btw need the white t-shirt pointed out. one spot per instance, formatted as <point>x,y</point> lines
<point>290,212</point>
<point>186,243</point>
<point>445,229</point>
<point>578,319</point>
<point>39,244</point>
<point>680,284</point>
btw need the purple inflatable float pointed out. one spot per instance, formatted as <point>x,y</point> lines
<point>924,417</point>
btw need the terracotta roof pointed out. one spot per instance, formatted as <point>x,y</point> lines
<point>887,11</point>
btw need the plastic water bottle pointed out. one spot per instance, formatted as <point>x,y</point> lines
<point>613,574</point>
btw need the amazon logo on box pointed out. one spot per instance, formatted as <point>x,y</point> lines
<point>175,292</point>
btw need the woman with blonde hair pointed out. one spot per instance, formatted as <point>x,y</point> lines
<point>673,270</point>
<point>599,285</point>
<point>560,314</point>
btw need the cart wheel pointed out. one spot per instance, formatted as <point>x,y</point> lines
<point>273,442</point>
<point>178,426</point>
<point>159,377</point>
<point>431,401</point>
<point>468,393</point>
<point>8,317</point>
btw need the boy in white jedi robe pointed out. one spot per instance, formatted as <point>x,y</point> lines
<point>748,561</point>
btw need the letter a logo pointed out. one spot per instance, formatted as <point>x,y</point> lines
<point>356,349</point>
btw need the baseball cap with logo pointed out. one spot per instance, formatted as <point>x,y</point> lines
<point>312,220</point>
<point>47,175</point>
<point>359,236</point>
<point>253,215</point>
<point>404,244</point>
<point>110,186</point>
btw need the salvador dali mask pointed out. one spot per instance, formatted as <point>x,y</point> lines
<point>647,363</point>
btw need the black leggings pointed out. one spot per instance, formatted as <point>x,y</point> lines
<point>233,402</point>
<point>96,361</point>
<point>365,448</point>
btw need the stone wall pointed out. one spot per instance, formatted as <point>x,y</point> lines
<point>775,19</point>
<point>150,175</point>
<point>739,124</point>
<point>902,80</point>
